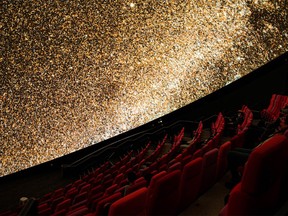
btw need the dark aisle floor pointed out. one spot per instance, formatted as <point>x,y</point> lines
<point>210,203</point>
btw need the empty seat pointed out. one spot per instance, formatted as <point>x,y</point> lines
<point>238,141</point>
<point>132,204</point>
<point>59,213</point>
<point>137,185</point>
<point>118,178</point>
<point>277,102</point>
<point>64,205</point>
<point>85,188</point>
<point>71,193</point>
<point>163,194</point>
<point>190,182</point>
<point>80,197</point>
<point>55,202</point>
<point>222,163</point>
<point>103,205</point>
<point>95,190</point>
<point>77,183</point>
<point>77,205</point>
<point>79,212</point>
<point>197,153</point>
<point>45,212</point>
<point>110,190</point>
<point>209,169</point>
<point>44,209</point>
<point>186,160</point>
<point>175,166</point>
<point>57,193</point>
<point>263,182</point>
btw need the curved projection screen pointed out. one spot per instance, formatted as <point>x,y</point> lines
<point>75,73</point>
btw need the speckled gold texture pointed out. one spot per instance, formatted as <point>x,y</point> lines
<point>75,72</point>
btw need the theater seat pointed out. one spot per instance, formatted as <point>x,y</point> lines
<point>263,182</point>
<point>110,190</point>
<point>163,194</point>
<point>104,204</point>
<point>132,204</point>
<point>64,205</point>
<point>175,166</point>
<point>83,210</point>
<point>137,185</point>
<point>222,163</point>
<point>190,182</point>
<point>209,170</point>
<point>238,141</point>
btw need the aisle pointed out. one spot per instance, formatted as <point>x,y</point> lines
<point>209,203</point>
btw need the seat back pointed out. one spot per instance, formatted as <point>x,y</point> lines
<point>83,210</point>
<point>175,166</point>
<point>238,141</point>
<point>118,178</point>
<point>110,190</point>
<point>137,185</point>
<point>264,179</point>
<point>64,205</point>
<point>190,182</point>
<point>132,204</point>
<point>80,197</point>
<point>222,163</point>
<point>163,194</point>
<point>103,205</point>
<point>209,169</point>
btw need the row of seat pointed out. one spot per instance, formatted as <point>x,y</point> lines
<point>102,181</point>
<point>109,180</point>
<point>239,139</point>
<point>263,187</point>
<point>272,112</point>
<point>248,118</point>
<point>160,164</point>
<point>168,193</point>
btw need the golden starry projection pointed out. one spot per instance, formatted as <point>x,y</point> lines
<point>74,73</point>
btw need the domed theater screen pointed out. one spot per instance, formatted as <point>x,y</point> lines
<point>75,73</point>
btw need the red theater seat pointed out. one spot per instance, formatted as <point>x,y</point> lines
<point>132,204</point>
<point>71,193</point>
<point>197,153</point>
<point>60,213</point>
<point>263,182</point>
<point>222,163</point>
<point>238,140</point>
<point>44,212</point>
<point>64,205</point>
<point>95,190</point>
<point>104,204</point>
<point>110,190</point>
<point>137,185</point>
<point>163,194</point>
<point>209,169</point>
<point>277,102</point>
<point>186,160</point>
<point>83,210</point>
<point>44,209</point>
<point>175,166</point>
<point>118,178</point>
<point>57,193</point>
<point>190,182</point>
<point>80,197</point>
<point>85,188</point>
